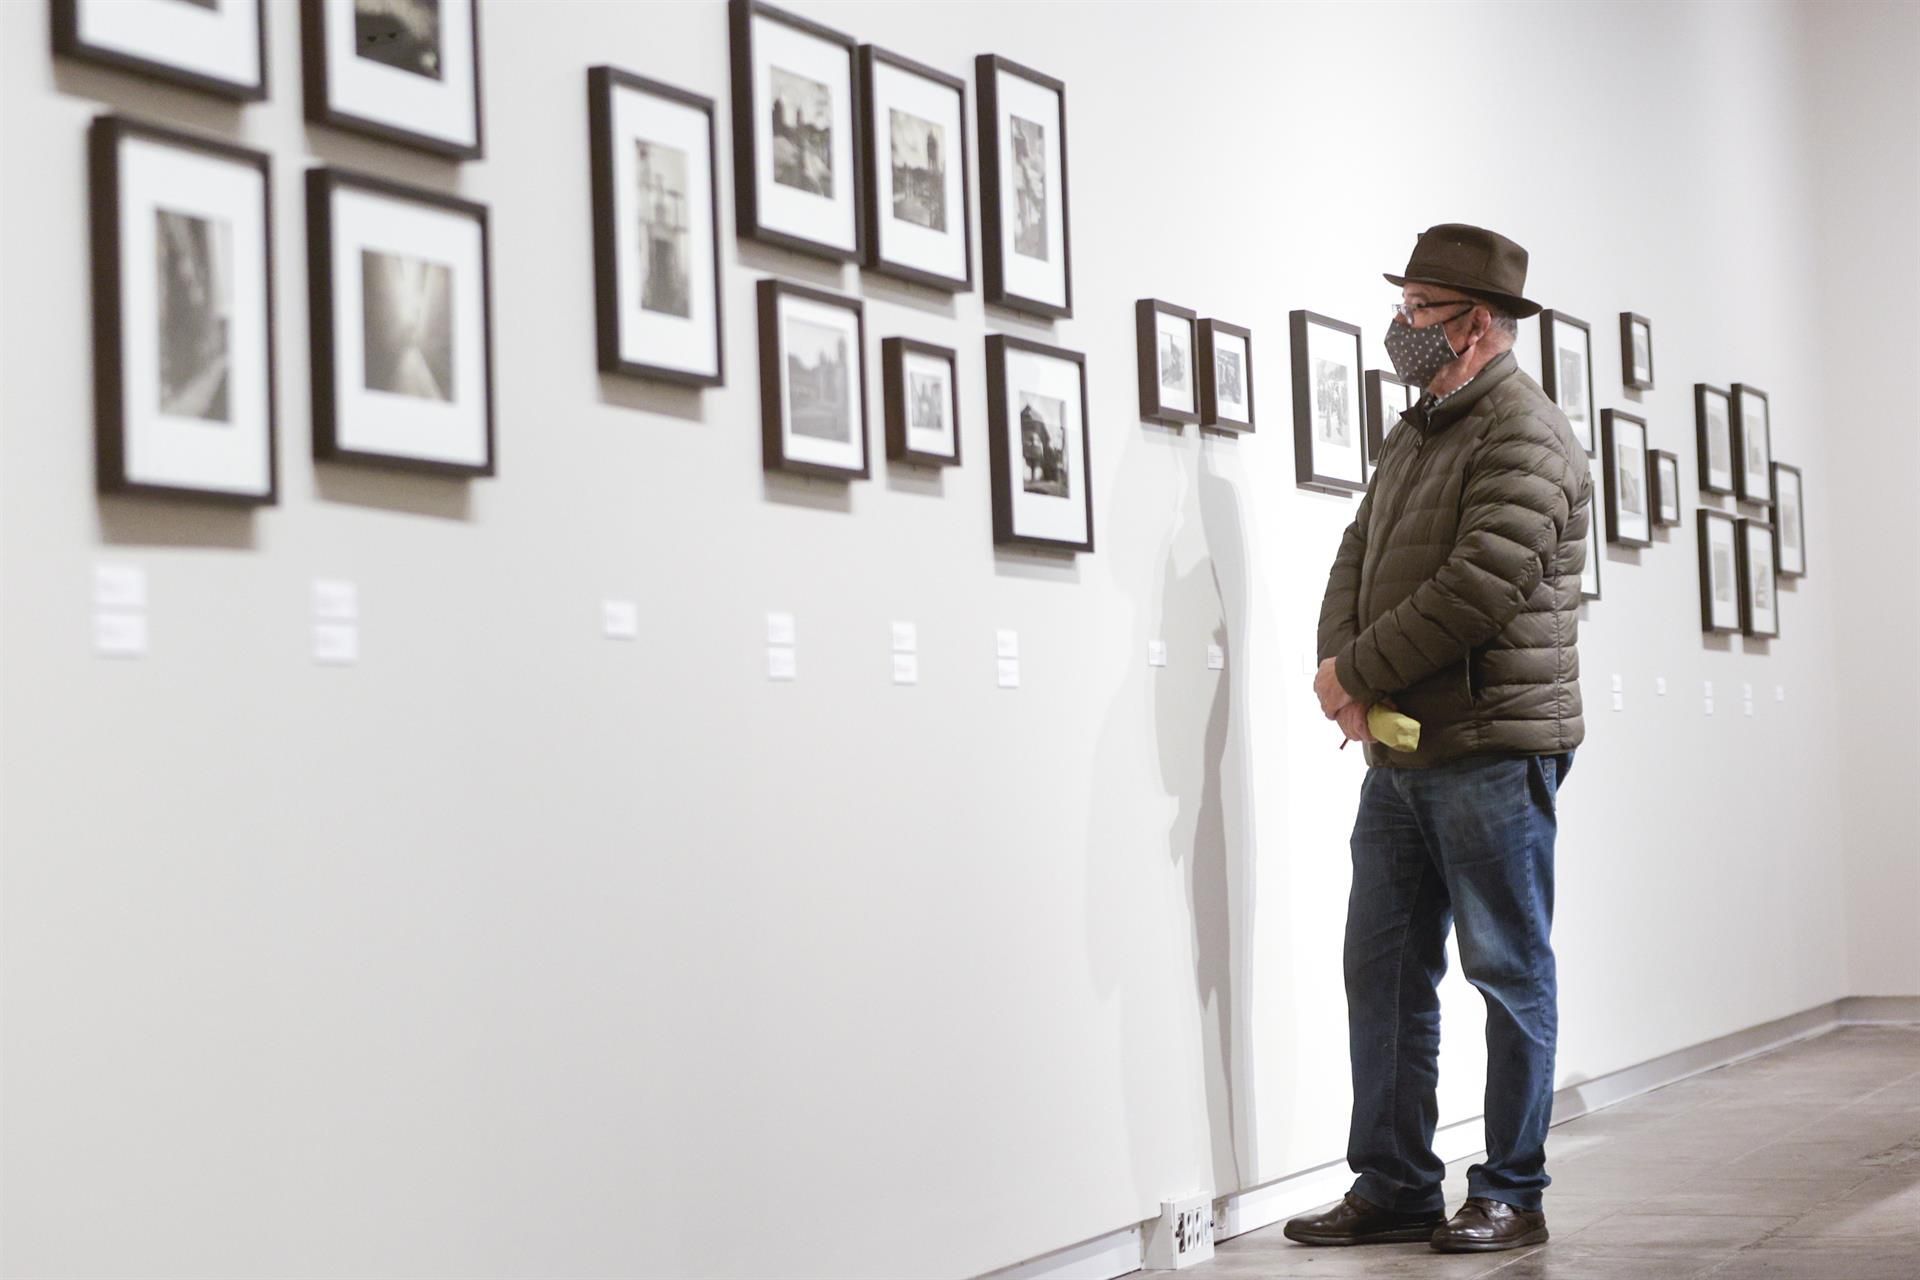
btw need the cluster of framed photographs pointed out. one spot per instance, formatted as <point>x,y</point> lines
<point>1193,369</point>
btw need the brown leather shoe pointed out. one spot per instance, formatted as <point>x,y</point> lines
<point>1487,1226</point>
<point>1358,1221</point>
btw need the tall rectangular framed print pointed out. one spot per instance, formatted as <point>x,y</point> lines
<point>1713,425</point>
<point>1752,445</point>
<point>1566,371</point>
<point>1629,508</point>
<point>399,295</point>
<point>1024,234</point>
<point>1169,385</point>
<point>405,71</point>
<point>922,396</point>
<point>656,229</point>
<point>1388,400</point>
<point>1329,445</point>
<point>1719,572</point>
<point>1759,595</point>
<point>1636,351</point>
<point>1590,571</point>
<point>1037,438</point>
<point>1789,521</point>
<point>1225,363</point>
<point>813,382</point>
<point>796,133</point>
<point>915,177</point>
<point>182,315</point>
<point>201,44</point>
<point>1666,488</point>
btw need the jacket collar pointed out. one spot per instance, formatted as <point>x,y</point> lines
<point>1444,415</point>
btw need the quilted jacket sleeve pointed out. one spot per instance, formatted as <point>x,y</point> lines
<point>1340,607</point>
<point>1514,508</point>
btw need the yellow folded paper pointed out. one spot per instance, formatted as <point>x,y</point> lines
<point>1395,731</point>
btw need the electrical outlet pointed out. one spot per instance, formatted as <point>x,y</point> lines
<point>1182,1235</point>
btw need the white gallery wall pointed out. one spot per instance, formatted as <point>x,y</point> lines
<point>515,951</point>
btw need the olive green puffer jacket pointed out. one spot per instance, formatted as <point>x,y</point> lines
<point>1455,596</point>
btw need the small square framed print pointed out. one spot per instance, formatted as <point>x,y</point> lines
<point>656,230</point>
<point>182,315</point>
<point>405,71</point>
<point>922,402</point>
<point>1752,445</point>
<point>1023,188</point>
<point>1629,507</point>
<point>1666,488</point>
<point>915,177</point>
<point>1329,438</point>
<point>1169,390</point>
<point>1037,437</point>
<point>813,382</point>
<point>1596,549</point>
<point>1789,521</point>
<point>1566,371</point>
<point>1713,427</point>
<point>1720,591</point>
<point>1388,400</point>
<point>202,44</point>
<point>1759,595</point>
<point>796,133</point>
<point>1636,351</point>
<point>1225,360</point>
<point>399,294</point>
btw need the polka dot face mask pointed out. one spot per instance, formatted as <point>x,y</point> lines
<point>1419,355</point>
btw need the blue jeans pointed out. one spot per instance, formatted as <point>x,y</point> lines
<point>1470,841</point>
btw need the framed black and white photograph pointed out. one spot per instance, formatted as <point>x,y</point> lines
<point>1636,351</point>
<point>1225,359</point>
<point>1759,586</point>
<point>1388,400</point>
<point>918,211</point>
<point>1023,188</point>
<point>182,315</point>
<point>1666,488</point>
<point>1720,591</point>
<point>813,382</point>
<point>1329,435</point>
<point>1566,371</point>
<point>1596,549</point>
<point>1752,445</point>
<point>922,402</point>
<point>1713,427</point>
<point>1169,380</point>
<point>1037,443</point>
<point>405,71</point>
<point>1789,521</point>
<point>399,289</point>
<point>215,47</point>
<point>796,133</point>
<point>656,230</point>
<point>1629,497</point>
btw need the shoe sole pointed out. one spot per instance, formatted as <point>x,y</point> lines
<point>1400,1235</point>
<point>1491,1246</point>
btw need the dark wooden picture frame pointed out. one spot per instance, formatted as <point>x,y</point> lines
<point>1000,443</point>
<point>1738,426</point>
<point>1550,373</point>
<point>1146,330</point>
<point>1705,518</point>
<point>1664,488</point>
<point>1780,509</point>
<point>321,109</point>
<point>1629,375</point>
<point>1617,533</point>
<point>893,381</point>
<point>104,137</point>
<point>322,184</point>
<point>773,407</point>
<point>1596,536</point>
<point>1703,437</point>
<point>1746,528</point>
<point>987,69</point>
<point>602,83</point>
<point>746,108</point>
<point>1305,476</point>
<point>1206,359</point>
<point>1378,380</point>
<point>68,42</point>
<point>875,258</point>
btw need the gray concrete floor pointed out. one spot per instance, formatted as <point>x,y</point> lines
<point>1802,1163</point>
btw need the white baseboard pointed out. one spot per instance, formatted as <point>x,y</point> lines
<point>1119,1253</point>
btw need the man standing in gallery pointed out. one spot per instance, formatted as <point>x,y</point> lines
<point>1453,600</point>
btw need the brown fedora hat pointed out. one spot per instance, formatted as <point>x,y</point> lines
<point>1473,260</point>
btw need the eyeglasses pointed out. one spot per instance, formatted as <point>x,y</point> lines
<point>1405,311</point>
